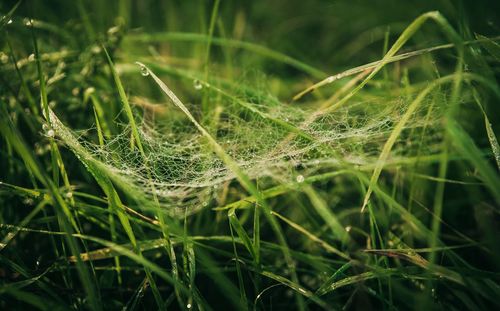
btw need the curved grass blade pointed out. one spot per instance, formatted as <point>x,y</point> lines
<point>403,38</point>
<point>234,167</point>
<point>400,126</point>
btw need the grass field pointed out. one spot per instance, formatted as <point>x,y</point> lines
<point>249,155</point>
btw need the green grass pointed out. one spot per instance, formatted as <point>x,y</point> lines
<point>253,155</point>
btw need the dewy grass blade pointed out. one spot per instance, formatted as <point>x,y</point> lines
<point>403,38</point>
<point>7,18</point>
<point>205,106</point>
<point>495,147</point>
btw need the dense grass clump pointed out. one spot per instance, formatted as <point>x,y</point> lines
<point>249,155</point>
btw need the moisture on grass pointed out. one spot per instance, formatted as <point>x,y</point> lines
<point>210,155</point>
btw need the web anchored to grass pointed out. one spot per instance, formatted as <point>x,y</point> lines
<point>187,163</point>
<point>268,140</point>
<point>265,138</point>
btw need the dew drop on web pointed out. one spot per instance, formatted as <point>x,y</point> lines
<point>144,71</point>
<point>4,58</point>
<point>197,84</point>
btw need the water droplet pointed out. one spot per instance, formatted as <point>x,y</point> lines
<point>9,22</point>
<point>113,30</point>
<point>300,178</point>
<point>4,58</point>
<point>95,49</point>
<point>197,84</point>
<point>28,201</point>
<point>69,195</point>
<point>89,91</point>
<point>188,306</point>
<point>31,58</point>
<point>28,22</point>
<point>144,71</point>
<point>348,228</point>
<point>50,133</point>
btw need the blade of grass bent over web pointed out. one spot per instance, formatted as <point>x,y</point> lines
<point>241,176</point>
<point>403,38</point>
<point>405,118</point>
<point>395,134</point>
<point>393,59</point>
